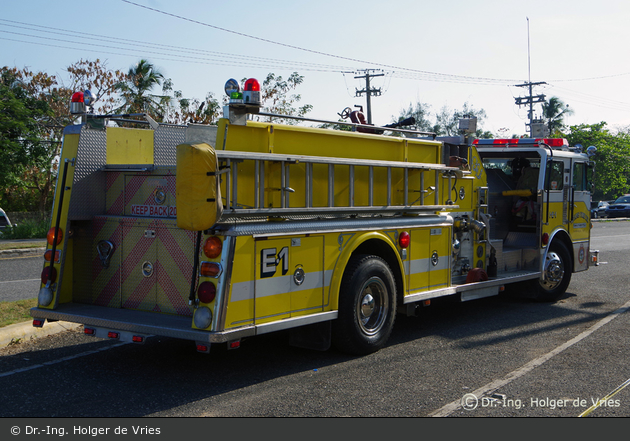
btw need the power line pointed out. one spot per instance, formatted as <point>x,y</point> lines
<point>135,43</point>
<point>355,60</point>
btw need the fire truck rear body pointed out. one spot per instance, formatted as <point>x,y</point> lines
<point>319,231</point>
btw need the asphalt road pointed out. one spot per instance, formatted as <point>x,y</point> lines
<point>19,277</point>
<point>501,356</point>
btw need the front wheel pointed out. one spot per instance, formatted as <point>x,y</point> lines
<point>367,306</point>
<point>556,273</point>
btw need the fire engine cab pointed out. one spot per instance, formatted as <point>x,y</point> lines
<point>219,233</point>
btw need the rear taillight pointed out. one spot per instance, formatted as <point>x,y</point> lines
<point>49,273</point>
<point>50,237</point>
<point>210,269</point>
<point>206,292</point>
<point>212,247</point>
<point>48,255</point>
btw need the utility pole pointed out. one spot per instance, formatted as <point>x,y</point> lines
<point>369,91</point>
<point>530,100</point>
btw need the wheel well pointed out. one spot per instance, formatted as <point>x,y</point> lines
<point>563,237</point>
<point>384,251</point>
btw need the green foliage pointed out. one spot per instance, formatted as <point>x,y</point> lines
<point>277,97</point>
<point>446,121</point>
<point>21,116</point>
<point>420,112</point>
<point>553,112</point>
<point>136,89</point>
<point>27,230</point>
<point>612,169</point>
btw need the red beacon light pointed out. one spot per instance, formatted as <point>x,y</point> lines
<point>77,104</point>
<point>80,102</point>
<point>251,92</point>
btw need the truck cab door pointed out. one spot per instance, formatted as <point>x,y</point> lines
<point>579,214</point>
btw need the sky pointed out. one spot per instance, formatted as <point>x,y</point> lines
<point>437,53</point>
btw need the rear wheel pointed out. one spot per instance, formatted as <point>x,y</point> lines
<point>367,306</point>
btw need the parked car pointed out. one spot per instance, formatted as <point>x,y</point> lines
<point>619,208</point>
<point>4,221</point>
<point>600,210</point>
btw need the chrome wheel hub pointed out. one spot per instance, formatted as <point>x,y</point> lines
<point>372,306</point>
<point>554,271</point>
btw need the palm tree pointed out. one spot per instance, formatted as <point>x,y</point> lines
<point>135,90</point>
<point>554,112</point>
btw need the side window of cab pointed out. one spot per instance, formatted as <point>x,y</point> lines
<point>579,176</point>
<point>555,179</point>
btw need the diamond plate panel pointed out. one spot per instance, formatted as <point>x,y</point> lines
<point>88,187</point>
<point>166,139</point>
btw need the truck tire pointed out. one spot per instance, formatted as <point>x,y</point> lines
<point>367,306</point>
<point>556,273</point>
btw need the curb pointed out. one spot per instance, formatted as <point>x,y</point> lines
<point>25,331</point>
<point>22,252</point>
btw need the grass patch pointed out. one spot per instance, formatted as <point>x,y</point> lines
<point>27,230</point>
<point>16,312</point>
<point>19,245</point>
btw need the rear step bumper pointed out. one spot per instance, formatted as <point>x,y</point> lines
<point>138,322</point>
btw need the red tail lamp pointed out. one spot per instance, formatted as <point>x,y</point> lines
<point>206,292</point>
<point>49,273</point>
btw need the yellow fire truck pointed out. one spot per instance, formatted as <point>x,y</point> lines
<point>219,233</point>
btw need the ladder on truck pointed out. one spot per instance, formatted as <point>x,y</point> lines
<point>297,195</point>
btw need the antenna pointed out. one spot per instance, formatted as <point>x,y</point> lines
<point>530,99</point>
<point>529,59</point>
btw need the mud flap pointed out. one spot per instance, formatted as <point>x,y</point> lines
<point>315,337</point>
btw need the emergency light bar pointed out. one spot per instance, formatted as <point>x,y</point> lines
<point>516,142</point>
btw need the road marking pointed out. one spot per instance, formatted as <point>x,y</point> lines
<point>619,388</point>
<point>15,281</point>
<point>60,360</point>
<point>496,384</point>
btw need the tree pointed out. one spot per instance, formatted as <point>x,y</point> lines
<point>28,142</point>
<point>420,112</point>
<point>136,91</point>
<point>612,160</point>
<point>29,181</point>
<point>554,112</point>
<point>98,79</point>
<point>180,110</point>
<point>446,121</point>
<point>277,98</point>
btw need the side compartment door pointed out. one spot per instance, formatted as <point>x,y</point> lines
<point>429,261</point>
<point>289,277</point>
